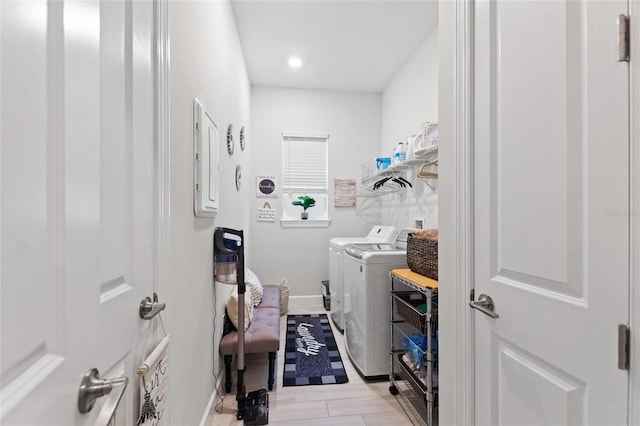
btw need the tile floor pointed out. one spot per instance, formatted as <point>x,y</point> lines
<point>354,403</point>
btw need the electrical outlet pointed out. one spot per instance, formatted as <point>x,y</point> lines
<point>419,223</point>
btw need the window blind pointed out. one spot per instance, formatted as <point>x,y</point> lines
<point>304,162</point>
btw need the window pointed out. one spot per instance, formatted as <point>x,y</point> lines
<point>305,172</point>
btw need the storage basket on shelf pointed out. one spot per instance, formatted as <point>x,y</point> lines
<point>421,396</point>
<point>422,256</point>
<point>411,306</point>
<point>407,303</point>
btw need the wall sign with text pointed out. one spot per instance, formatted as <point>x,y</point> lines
<point>266,213</point>
<point>266,186</point>
<point>344,194</point>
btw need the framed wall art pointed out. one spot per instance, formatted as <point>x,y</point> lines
<point>266,186</point>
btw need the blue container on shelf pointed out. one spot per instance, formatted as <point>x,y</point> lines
<point>383,162</point>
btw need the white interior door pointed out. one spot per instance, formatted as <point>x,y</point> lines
<point>77,206</point>
<point>551,228</point>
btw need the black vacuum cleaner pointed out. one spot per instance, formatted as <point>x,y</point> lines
<point>228,250</point>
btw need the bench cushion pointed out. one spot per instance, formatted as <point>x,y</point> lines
<point>263,334</point>
<point>270,298</point>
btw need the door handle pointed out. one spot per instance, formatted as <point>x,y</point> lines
<point>93,387</point>
<point>149,308</point>
<point>484,304</point>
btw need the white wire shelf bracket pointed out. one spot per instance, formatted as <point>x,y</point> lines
<point>392,179</point>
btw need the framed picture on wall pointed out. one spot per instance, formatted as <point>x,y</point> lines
<point>266,213</point>
<point>266,186</point>
<point>344,194</point>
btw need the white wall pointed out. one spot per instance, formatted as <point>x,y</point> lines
<point>409,100</point>
<point>206,62</point>
<point>353,122</point>
<point>411,97</point>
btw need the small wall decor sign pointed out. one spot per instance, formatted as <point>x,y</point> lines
<point>154,385</point>
<point>266,213</point>
<point>344,194</point>
<point>266,186</point>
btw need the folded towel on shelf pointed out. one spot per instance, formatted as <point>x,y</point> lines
<point>430,234</point>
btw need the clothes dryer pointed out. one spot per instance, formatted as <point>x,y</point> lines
<point>337,245</point>
<point>367,304</point>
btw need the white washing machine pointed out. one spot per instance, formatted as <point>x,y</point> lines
<point>337,245</point>
<point>367,305</point>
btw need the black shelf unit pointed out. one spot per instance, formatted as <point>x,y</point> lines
<point>414,309</point>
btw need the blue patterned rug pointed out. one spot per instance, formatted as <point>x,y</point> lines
<point>311,354</point>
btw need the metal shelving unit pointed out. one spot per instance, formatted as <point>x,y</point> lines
<point>414,310</point>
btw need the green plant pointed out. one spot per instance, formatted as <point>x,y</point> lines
<point>304,201</point>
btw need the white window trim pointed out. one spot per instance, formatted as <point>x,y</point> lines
<point>323,222</point>
<point>305,135</point>
<point>309,223</point>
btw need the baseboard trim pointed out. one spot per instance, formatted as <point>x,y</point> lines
<point>212,400</point>
<point>305,302</point>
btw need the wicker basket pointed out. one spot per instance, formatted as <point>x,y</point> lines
<point>284,296</point>
<point>422,256</point>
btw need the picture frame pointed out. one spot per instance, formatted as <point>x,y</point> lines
<point>266,186</point>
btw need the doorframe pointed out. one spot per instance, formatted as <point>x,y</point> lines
<point>455,201</point>
<point>162,158</point>
<point>162,148</point>
<point>634,210</point>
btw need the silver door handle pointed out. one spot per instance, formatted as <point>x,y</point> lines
<point>149,308</point>
<point>93,387</point>
<point>485,305</point>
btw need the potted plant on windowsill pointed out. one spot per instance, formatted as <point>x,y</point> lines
<point>305,202</point>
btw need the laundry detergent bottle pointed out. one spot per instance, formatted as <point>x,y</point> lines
<point>411,152</point>
<point>400,153</point>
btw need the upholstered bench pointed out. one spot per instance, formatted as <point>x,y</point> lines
<point>263,335</point>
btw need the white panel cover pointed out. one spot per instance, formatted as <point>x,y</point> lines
<point>206,182</point>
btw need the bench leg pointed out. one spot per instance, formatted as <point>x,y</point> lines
<point>272,368</point>
<point>227,373</point>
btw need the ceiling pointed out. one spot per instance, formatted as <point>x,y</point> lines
<point>353,45</point>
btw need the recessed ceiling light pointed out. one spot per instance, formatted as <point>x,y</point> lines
<point>295,62</point>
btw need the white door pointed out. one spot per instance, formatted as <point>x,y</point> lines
<point>551,196</point>
<point>77,212</point>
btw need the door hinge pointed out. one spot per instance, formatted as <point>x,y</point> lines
<point>623,346</point>
<point>623,38</point>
